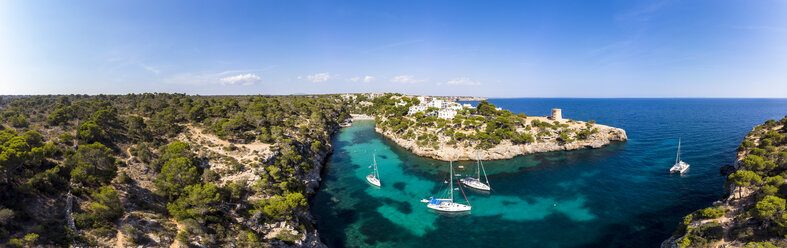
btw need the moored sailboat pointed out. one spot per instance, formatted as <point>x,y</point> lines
<point>448,204</point>
<point>374,178</point>
<point>475,182</point>
<point>679,166</point>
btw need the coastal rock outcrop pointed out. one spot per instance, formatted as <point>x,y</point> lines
<point>506,149</point>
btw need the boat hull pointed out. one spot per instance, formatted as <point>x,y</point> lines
<point>449,207</point>
<point>475,184</point>
<point>373,180</point>
<point>681,167</point>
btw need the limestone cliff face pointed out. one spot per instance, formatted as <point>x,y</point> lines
<point>506,149</point>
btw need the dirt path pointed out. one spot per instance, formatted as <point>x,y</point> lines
<point>120,237</point>
<point>176,243</point>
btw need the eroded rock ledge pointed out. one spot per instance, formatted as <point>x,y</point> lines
<point>506,149</point>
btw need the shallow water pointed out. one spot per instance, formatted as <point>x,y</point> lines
<point>621,195</point>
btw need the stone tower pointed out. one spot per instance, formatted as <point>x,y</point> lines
<point>556,115</point>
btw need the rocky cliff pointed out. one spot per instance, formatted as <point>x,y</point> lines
<point>752,214</point>
<point>506,149</point>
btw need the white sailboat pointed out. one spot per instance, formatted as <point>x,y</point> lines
<point>476,182</point>
<point>374,178</point>
<point>679,166</point>
<point>448,204</point>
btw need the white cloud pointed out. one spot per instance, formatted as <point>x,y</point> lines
<point>365,79</point>
<point>152,69</point>
<point>213,78</point>
<point>406,79</point>
<point>241,79</point>
<point>462,81</point>
<point>317,78</point>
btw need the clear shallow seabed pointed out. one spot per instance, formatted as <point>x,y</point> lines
<point>621,195</point>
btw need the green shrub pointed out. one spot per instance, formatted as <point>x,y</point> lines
<point>768,207</point>
<point>684,242</point>
<point>712,212</point>
<point>764,244</point>
<point>31,238</point>
<point>288,237</point>
<point>124,178</point>
<point>15,243</point>
<point>176,174</point>
<point>710,231</point>
<point>132,234</point>
<point>93,165</point>
<point>197,201</point>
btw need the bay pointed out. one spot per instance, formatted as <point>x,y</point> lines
<point>621,195</point>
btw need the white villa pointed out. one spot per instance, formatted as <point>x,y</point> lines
<point>445,109</point>
<point>437,104</point>
<point>454,106</point>
<point>416,109</point>
<point>446,113</point>
<point>349,96</point>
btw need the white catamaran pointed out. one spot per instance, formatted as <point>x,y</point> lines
<point>679,166</point>
<point>476,182</point>
<point>374,178</point>
<point>448,204</point>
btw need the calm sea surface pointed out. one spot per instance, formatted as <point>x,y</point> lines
<point>618,196</point>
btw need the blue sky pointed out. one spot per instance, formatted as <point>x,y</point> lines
<point>497,49</point>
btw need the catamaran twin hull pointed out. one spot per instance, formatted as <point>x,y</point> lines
<point>680,167</point>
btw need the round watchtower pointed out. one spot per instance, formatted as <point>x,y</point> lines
<point>556,115</point>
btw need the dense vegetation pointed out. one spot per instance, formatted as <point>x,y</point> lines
<point>131,168</point>
<point>756,208</point>
<point>482,127</point>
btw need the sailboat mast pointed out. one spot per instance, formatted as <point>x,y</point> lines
<point>677,157</point>
<point>376,173</point>
<point>485,177</point>
<point>478,166</point>
<point>451,178</point>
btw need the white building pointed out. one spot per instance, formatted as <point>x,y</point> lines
<point>439,104</point>
<point>349,96</point>
<point>374,95</point>
<point>446,114</point>
<point>422,99</point>
<point>416,109</point>
<point>467,105</point>
<point>454,106</point>
<point>401,103</point>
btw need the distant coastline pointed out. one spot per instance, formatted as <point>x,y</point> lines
<point>438,127</point>
<point>506,149</point>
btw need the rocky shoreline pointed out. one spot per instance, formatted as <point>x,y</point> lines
<point>506,150</point>
<point>739,211</point>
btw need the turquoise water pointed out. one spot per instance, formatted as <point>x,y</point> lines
<point>619,196</point>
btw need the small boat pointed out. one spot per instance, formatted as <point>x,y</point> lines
<point>475,182</point>
<point>679,166</point>
<point>448,204</point>
<point>374,178</point>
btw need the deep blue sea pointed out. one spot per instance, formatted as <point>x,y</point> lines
<point>621,195</point>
